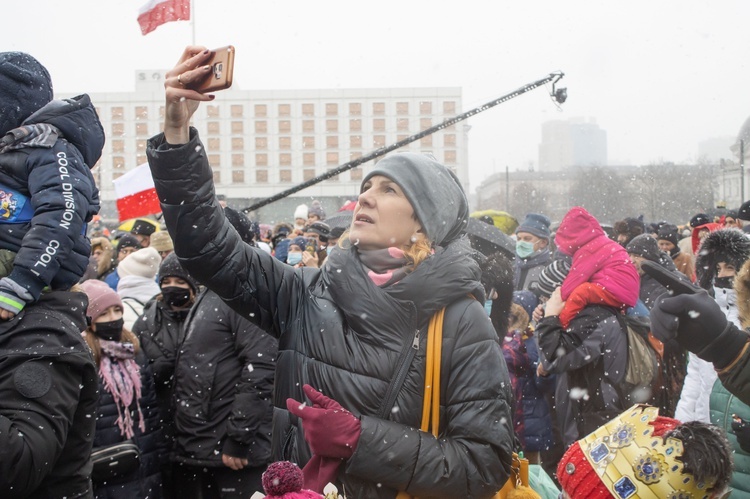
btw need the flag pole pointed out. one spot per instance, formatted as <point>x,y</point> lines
<point>192,19</point>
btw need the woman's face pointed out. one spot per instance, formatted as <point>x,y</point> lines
<point>724,269</point>
<point>111,314</point>
<point>383,217</point>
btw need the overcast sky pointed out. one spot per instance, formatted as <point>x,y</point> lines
<point>658,76</point>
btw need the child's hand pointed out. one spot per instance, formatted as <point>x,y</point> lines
<point>554,305</point>
<point>538,313</point>
<point>6,315</point>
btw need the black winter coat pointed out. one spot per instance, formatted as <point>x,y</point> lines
<point>223,387</point>
<point>48,396</point>
<point>144,483</point>
<point>351,339</point>
<point>57,180</point>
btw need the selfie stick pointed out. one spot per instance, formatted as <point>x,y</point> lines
<point>558,94</point>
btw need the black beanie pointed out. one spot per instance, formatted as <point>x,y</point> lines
<point>128,241</point>
<point>698,220</point>
<point>669,233</point>
<point>645,246</point>
<point>25,87</point>
<point>170,267</point>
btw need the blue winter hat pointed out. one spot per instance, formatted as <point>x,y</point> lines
<point>537,224</point>
<point>25,87</point>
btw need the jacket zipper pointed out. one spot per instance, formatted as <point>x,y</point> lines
<point>407,356</point>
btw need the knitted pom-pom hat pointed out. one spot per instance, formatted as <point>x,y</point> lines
<point>284,480</point>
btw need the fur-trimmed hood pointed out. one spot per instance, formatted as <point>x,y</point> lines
<point>725,245</point>
<point>742,286</point>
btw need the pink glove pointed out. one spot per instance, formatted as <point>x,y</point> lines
<point>330,430</point>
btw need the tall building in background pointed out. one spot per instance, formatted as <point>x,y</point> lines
<point>261,142</point>
<point>575,142</point>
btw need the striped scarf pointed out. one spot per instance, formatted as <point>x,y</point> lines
<point>36,135</point>
<point>122,378</point>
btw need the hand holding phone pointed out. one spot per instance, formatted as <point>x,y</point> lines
<point>221,72</point>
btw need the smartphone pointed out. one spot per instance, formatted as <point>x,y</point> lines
<point>312,246</point>
<point>222,71</point>
<point>673,281</point>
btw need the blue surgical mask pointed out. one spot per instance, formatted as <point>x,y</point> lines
<point>524,249</point>
<point>294,258</point>
<point>488,307</point>
<point>329,249</point>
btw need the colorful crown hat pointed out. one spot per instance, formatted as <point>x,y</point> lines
<point>631,462</point>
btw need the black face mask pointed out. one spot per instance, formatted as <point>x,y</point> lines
<point>110,331</point>
<point>724,282</point>
<point>175,296</point>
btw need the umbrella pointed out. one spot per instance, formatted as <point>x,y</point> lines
<point>127,225</point>
<point>502,220</point>
<point>488,239</point>
<point>341,220</point>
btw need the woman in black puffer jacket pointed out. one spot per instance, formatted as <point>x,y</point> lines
<point>356,329</point>
<point>127,408</point>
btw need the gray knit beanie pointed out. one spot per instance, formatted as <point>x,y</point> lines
<point>433,190</point>
<point>25,87</point>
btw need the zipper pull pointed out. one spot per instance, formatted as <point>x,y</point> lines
<point>415,343</point>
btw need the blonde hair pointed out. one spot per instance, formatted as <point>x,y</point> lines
<point>417,252</point>
<point>93,342</point>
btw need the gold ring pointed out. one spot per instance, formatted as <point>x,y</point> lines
<point>179,80</point>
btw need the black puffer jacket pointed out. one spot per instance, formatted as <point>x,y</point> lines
<point>48,396</point>
<point>223,387</point>
<point>57,180</point>
<point>342,334</point>
<point>144,483</point>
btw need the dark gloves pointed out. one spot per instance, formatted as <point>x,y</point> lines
<point>699,325</point>
<point>332,433</point>
<point>330,430</point>
<point>741,429</point>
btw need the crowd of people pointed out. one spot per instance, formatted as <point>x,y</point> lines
<point>169,361</point>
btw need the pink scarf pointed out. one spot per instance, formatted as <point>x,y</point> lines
<point>122,378</point>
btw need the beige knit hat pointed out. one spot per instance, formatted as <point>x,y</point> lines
<point>161,241</point>
<point>144,262</point>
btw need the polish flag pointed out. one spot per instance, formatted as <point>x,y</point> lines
<point>157,12</point>
<point>136,195</point>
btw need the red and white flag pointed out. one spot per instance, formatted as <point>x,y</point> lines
<point>136,195</point>
<point>157,12</point>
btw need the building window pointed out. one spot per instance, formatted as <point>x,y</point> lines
<point>355,125</point>
<point>450,156</point>
<point>213,127</point>
<point>285,126</point>
<point>238,176</point>
<point>141,113</point>
<point>425,107</point>
<point>118,129</point>
<point>308,142</point>
<point>285,110</point>
<point>238,160</point>
<point>449,140</point>
<point>285,176</point>
<point>140,146</point>
<point>214,144</point>
<point>118,162</point>
<point>118,146</point>
<point>261,176</point>
<point>308,125</point>
<point>402,124</point>
<point>238,144</point>
<point>425,123</point>
<point>332,158</point>
<point>355,174</point>
<point>355,108</point>
<point>308,173</point>
<point>261,143</point>
<point>308,109</point>
<point>402,108</point>
<point>214,160</point>
<point>308,159</point>
<point>332,109</point>
<point>285,159</point>
<point>449,107</point>
<point>285,142</point>
<point>355,141</point>
<point>332,125</point>
<point>399,138</point>
<point>261,127</point>
<point>426,141</point>
<point>217,177</point>
<point>261,111</point>
<point>378,140</point>
<point>354,155</point>
<point>212,111</point>
<point>261,159</point>
<point>116,175</point>
<point>118,113</point>
<point>238,127</point>
<point>161,112</point>
<point>141,129</point>
<point>378,108</point>
<point>332,142</point>
<point>378,125</point>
